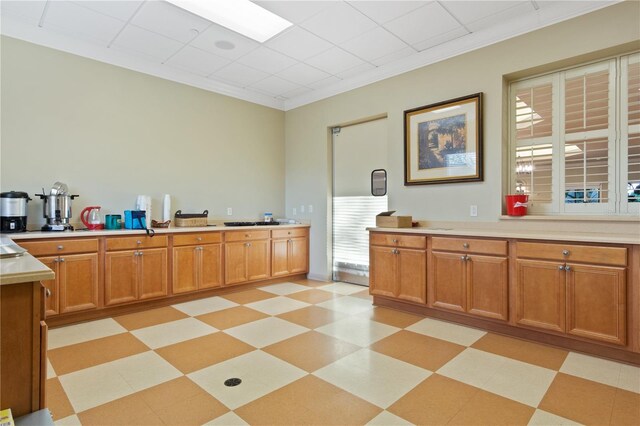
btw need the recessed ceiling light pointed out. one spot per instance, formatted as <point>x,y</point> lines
<point>224,44</point>
<point>241,16</point>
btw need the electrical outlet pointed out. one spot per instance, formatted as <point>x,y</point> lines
<point>473,210</point>
<point>295,211</point>
<point>302,208</point>
<point>229,211</point>
<point>310,208</point>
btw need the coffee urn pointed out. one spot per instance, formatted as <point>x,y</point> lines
<point>13,211</point>
<point>56,208</point>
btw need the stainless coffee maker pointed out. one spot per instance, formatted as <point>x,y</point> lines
<point>57,208</point>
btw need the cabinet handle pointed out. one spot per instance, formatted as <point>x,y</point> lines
<point>62,259</point>
<point>199,239</point>
<point>56,260</point>
<point>135,253</point>
<point>463,258</point>
<point>465,245</point>
<point>567,268</point>
<point>566,252</point>
<point>395,241</point>
<point>247,235</point>
<point>60,247</point>
<point>561,267</point>
<point>289,233</point>
<point>47,292</point>
<point>138,242</point>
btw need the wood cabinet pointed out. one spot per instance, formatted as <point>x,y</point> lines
<point>465,281</point>
<point>289,252</point>
<point>199,266</point>
<point>76,267</point>
<point>398,272</point>
<point>581,299</point>
<point>132,275</point>
<point>247,261</point>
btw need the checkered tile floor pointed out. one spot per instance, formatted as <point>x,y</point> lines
<point>317,353</point>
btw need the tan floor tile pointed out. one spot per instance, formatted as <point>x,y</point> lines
<point>311,351</point>
<point>626,408</point>
<point>248,296</point>
<point>130,410</point>
<point>94,352</point>
<point>182,402</point>
<point>201,352</point>
<point>417,349</point>
<point>231,317</point>
<point>312,316</point>
<point>57,401</point>
<point>312,296</point>
<point>532,353</point>
<point>579,399</point>
<point>486,408</point>
<point>149,318</point>
<point>391,317</point>
<point>363,295</point>
<point>434,401</point>
<point>311,283</point>
<point>308,400</point>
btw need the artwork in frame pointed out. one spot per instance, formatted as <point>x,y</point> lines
<point>443,142</point>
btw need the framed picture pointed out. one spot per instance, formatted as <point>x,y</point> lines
<point>443,142</point>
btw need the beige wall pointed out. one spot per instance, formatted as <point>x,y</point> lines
<point>307,142</point>
<point>111,133</point>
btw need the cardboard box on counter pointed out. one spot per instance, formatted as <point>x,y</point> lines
<point>386,220</point>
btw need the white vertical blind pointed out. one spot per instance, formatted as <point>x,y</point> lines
<point>630,130</point>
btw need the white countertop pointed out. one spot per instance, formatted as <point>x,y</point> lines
<point>22,269</point>
<point>590,237</point>
<point>32,235</point>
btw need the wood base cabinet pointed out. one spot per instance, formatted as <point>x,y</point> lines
<point>289,252</point>
<point>247,256</point>
<point>197,267</point>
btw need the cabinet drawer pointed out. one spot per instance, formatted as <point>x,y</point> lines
<point>140,242</point>
<point>246,235</point>
<point>574,253</point>
<point>469,245</point>
<point>394,240</point>
<point>193,239</point>
<point>53,247</point>
<point>288,233</point>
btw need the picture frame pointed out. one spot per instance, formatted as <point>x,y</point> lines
<point>443,142</point>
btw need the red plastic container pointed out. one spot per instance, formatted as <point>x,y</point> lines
<point>517,204</point>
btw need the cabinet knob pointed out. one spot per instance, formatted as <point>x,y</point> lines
<point>138,242</point>
<point>247,235</point>
<point>62,259</point>
<point>199,239</point>
<point>289,233</point>
<point>289,241</point>
<point>60,247</point>
<point>561,267</point>
<point>566,252</point>
<point>47,292</point>
<point>567,268</point>
<point>395,241</point>
<point>55,260</point>
<point>465,245</point>
<point>463,257</point>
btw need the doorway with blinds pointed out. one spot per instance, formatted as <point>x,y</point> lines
<point>358,150</point>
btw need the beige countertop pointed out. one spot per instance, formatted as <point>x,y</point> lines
<point>32,235</point>
<point>22,269</point>
<point>587,237</point>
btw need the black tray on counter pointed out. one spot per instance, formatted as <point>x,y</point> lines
<point>251,223</point>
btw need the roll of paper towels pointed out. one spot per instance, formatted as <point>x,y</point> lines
<point>166,207</point>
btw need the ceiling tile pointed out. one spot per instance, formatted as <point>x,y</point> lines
<point>215,33</point>
<point>338,23</point>
<point>30,11</point>
<point>197,61</point>
<point>325,83</point>
<point>303,74</point>
<point>374,44</point>
<point>239,75</point>
<point>440,39</point>
<point>395,56</point>
<point>294,11</point>
<point>147,43</point>
<point>81,22</point>
<point>356,71</point>
<point>170,21</point>
<point>492,13</point>
<point>274,85</point>
<point>122,10</point>
<point>469,11</point>
<point>298,43</point>
<point>385,11</point>
<point>334,61</point>
<point>296,92</point>
<point>267,60</point>
<point>428,21</point>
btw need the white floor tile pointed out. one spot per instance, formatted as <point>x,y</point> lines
<point>377,378</point>
<point>543,418</point>
<point>277,305</point>
<point>387,419</point>
<point>283,289</point>
<point>228,419</point>
<point>473,367</point>
<point>446,331</point>
<point>204,306</point>
<point>629,378</point>
<point>51,373</point>
<point>260,373</point>
<point>342,288</point>
<point>347,305</point>
<point>266,331</point>
<point>103,383</point>
<point>68,421</point>
<point>72,334</point>
<point>592,368</point>
<point>169,333</point>
<point>357,330</point>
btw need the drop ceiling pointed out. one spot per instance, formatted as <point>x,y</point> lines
<point>333,46</point>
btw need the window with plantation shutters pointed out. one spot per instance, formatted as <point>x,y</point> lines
<point>567,152</point>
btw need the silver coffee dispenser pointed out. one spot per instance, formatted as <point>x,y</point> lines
<point>57,208</point>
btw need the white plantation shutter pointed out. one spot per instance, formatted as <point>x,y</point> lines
<point>630,133</point>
